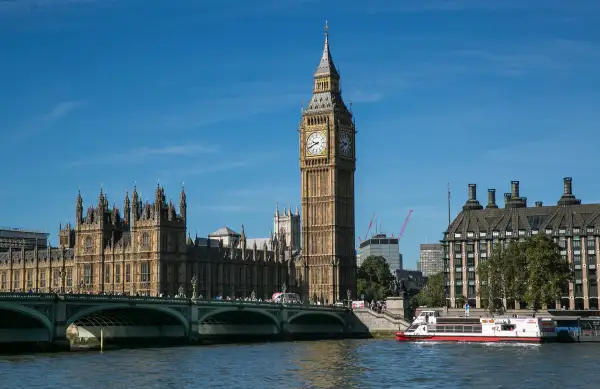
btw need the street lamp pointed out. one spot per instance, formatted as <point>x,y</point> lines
<point>283,290</point>
<point>253,295</point>
<point>62,275</point>
<point>194,280</point>
<point>349,295</point>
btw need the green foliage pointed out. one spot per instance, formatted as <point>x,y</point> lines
<point>532,271</point>
<point>433,294</point>
<point>461,300</point>
<point>374,278</point>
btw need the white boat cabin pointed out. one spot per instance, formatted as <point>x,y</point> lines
<point>431,323</point>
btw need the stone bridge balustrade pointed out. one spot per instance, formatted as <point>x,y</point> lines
<point>40,317</point>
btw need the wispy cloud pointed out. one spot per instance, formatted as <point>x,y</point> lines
<point>24,6</point>
<point>221,164</point>
<point>469,5</point>
<point>63,109</point>
<point>41,123</point>
<point>227,208</point>
<point>249,99</point>
<point>144,153</point>
<point>364,97</point>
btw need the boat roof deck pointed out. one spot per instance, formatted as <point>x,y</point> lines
<point>458,320</point>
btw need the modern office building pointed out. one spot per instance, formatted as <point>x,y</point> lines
<point>573,225</point>
<point>17,238</point>
<point>431,259</point>
<point>384,246</point>
<point>413,279</point>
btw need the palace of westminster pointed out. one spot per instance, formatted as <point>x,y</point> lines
<point>144,248</point>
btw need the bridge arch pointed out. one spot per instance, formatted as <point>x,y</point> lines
<point>314,313</point>
<point>262,312</point>
<point>141,307</point>
<point>30,312</point>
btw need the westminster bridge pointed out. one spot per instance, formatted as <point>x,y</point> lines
<point>57,319</point>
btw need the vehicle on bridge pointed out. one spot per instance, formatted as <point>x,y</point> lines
<point>290,298</point>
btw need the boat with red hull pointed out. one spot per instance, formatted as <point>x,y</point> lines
<point>430,327</point>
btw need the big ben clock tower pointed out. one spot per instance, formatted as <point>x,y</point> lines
<point>327,165</point>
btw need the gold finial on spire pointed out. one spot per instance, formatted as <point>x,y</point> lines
<point>326,28</point>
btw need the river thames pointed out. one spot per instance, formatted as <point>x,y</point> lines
<point>376,363</point>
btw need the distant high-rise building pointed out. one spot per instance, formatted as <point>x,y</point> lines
<point>18,238</point>
<point>431,260</point>
<point>381,246</point>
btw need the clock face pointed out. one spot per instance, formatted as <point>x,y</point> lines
<point>345,144</point>
<point>316,143</point>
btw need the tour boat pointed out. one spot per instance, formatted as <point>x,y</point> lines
<point>430,327</point>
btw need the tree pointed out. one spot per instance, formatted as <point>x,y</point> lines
<point>491,289</point>
<point>532,271</point>
<point>433,294</point>
<point>548,273</point>
<point>374,278</point>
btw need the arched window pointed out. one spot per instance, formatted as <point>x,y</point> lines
<point>88,244</point>
<point>145,239</point>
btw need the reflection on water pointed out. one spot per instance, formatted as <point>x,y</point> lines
<point>328,364</point>
<point>333,364</point>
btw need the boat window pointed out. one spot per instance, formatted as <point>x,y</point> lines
<point>508,327</point>
<point>431,328</point>
<point>467,329</point>
<point>412,328</point>
<point>477,329</point>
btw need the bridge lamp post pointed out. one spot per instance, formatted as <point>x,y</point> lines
<point>62,273</point>
<point>349,295</point>
<point>194,281</point>
<point>283,290</point>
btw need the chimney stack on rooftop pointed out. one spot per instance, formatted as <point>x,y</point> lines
<point>492,198</point>
<point>568,186</point>
<point>472,204</point>
<point>472,192</point>
<point>538,204</point>
<point>568,198</point>
<point>514,188</point>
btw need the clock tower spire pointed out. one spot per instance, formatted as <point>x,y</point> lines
<point>327,165</point>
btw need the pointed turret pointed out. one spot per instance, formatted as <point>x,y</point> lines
<point>243,239</point>
<point>127,208</point>
<point>326,66</point>
<point>326,87</point>
<point>101,200</point>
<point>79,209</point>
<point>135,206</point>
<point>158,197</point>
<point>277,209</point>
<point>183,203</point>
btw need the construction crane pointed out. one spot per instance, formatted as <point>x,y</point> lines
<point>404,225</point>
<point>368,229</point>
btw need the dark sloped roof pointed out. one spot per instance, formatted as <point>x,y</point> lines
<point>514,219</point>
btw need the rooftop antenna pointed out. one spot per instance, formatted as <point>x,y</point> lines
<point>449,221</point>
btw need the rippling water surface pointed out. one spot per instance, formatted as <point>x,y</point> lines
<point>325,364</point>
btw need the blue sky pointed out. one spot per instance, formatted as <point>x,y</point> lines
<point>114,92</point>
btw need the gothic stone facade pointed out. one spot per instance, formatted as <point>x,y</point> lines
<point>145,251</point>
<point>327,166</point>
<point>472,235</point>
